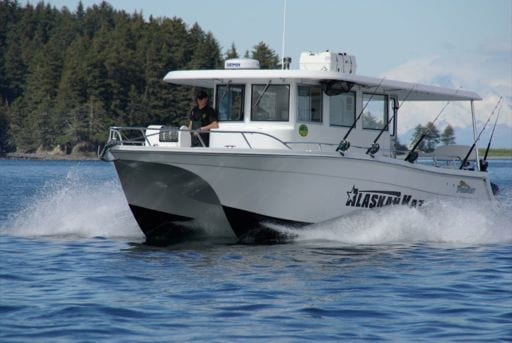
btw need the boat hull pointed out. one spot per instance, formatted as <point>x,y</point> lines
<point>179,192</point>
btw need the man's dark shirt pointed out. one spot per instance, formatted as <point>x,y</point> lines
<point>200,118</point>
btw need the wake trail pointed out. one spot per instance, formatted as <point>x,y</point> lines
<point>461,222</point>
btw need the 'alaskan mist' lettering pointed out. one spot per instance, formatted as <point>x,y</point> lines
<point>376,198</point>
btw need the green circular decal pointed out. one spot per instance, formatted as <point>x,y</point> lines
<point>303,130</point>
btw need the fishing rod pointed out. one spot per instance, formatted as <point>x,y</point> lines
<point>374,148</point>
<point>483,163</point>
<point>344,143</point>
<point>412,155</point>
<point>464,161</point>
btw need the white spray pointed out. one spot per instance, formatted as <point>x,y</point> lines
<point>74,207</point>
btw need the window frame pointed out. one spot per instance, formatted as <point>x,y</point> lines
<point>270,85</point>
<point>394,106</point>
<point>354,94</point>
<point>243,87</point>
<point>386,110</point>
<point>321,110</point>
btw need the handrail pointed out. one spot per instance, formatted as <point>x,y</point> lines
<point>117,137</point>
<point>117,131</point>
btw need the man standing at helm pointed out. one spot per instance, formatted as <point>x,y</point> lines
<point>203,118</point>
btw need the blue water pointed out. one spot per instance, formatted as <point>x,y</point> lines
<point>73,268</point>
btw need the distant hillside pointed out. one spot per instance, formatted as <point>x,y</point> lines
<point>65,77</point>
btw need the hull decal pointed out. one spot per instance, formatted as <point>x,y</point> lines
<point>378,198</point>
<point>252,227</point>
<point>463,187</point>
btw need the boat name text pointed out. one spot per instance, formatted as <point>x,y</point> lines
<point>371,199</point>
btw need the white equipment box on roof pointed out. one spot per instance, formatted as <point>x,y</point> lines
<point>328,61</point>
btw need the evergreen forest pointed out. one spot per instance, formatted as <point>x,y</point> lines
<point>67,75</point>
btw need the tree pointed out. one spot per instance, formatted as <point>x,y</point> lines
<point>65,77</point>
<point>41,90</point>
<point>266,56</point>
<point>5,138</point>
<point>448,135</point>
<point>232,53</point>
<point>432,137</point>
<point>417,138</point>
<point>15,68</point>
<point>9,14</point>
<point>428,137</point>
<point>206,51</point>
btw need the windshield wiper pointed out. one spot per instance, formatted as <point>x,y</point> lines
<point>262,93</point>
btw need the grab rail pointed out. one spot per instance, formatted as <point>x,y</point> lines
<point>123,135</point>
<point>118,134</point>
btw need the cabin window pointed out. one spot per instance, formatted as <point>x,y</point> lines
<point>270,102</point>
<point>375,115</point>
<point>229,102</point>
<point>342,109</point>
<point>310,104</point>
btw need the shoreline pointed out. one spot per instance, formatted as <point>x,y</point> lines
<point>50,157</point>
<point>93,157</point>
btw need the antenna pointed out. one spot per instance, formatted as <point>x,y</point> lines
<point>284,32</point>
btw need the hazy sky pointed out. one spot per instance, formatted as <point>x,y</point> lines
<point>454,43</point>
<point>381,33</point>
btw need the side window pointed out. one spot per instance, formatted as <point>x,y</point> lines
<point>270,102</point>
<point>310,104</point>
<point>375,115</point>
<point>342,109</point>
<point>229,102</point>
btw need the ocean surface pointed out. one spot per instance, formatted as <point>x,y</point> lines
<point>73,267</point>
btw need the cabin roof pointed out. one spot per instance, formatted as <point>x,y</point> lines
<point>403,90</point>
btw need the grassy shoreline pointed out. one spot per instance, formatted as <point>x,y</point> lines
<point>497,153</point>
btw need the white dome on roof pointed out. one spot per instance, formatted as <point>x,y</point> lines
<point>241,63</point>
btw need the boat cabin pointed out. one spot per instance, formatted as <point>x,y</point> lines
<point>311,108</point>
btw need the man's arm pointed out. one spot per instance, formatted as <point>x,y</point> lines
<point>212,125</point>
<point>212,116</point>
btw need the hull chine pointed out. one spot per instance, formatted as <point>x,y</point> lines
<point>254,228</point>
<point>162,228</point>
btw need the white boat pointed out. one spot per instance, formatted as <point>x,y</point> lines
<point>293,147</point>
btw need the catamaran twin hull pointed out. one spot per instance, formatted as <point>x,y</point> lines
<point>173,192</point>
